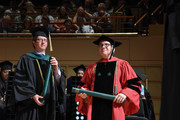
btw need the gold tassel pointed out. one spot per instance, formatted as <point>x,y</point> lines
<point>50,42</point>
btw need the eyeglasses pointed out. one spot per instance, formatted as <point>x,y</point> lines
<point>105,45</point>
<point>42,40</point>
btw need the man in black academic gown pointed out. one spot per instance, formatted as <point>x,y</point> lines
<point>30,78</point>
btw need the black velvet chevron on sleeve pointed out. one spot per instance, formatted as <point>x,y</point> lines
<point>134,84</point>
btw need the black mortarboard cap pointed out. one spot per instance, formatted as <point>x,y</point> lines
<point>40,31</point>
<point>81,67</point>
<point>106,38</point>
<point>6,65</point>
<point>140,74</point>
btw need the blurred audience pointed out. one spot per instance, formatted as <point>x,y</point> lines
<point>46,24</point>
<point>12,8</point>
<point>45,12</point>
<point>28,5</point>
<point>68,27</point>
<point>6,26</point>
<point>81,13</point>
<point>21,18</point>
<point>82,28</point>
<point>123,10</point>
<point>62,16</point>
<point>101,22</point>
<point>98,16</point>
<point>89,6</point>
<point>109,7</point>
<point>67,5</point>
<point>26,26</point>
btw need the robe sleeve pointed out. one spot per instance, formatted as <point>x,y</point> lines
<point>23,84</point>
<point>131,87</point>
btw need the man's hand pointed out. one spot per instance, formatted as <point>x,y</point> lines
<point>1,99</point>
<point>54,63</point>
<point>83,95</point>
<point>36,99</point>
<point>120,98</point>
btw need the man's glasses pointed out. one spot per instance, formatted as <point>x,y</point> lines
<point>105,45</point>
<point>42,40</point>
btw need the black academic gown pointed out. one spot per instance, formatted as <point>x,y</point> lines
<point>72,112</point>
<point>2,103</point>
<point>27,83</point>
<point>171,65</point>
<point>2,87</point>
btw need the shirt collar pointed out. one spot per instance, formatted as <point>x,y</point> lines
<point>40,53</point>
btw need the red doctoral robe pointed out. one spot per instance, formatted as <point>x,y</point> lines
<point>126,81</point>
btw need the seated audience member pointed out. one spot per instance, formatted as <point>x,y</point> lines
<point>62,16</point>
<point>68,27</point>
<point>26,26</point>
<point>28,5</point>
<point>103,22</point>
<point>45,12</point>
<point>45,23</point>
<point>20,19</point>
<point>5,26</point>
<point>82,28</point>
<point>67,5</point>
<point>81,13</point>
<point>109,6</point>
<point>89,6</point>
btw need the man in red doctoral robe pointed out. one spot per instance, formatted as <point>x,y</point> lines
<point>113,76</point>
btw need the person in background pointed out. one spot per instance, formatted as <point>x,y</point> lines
<point>148,106</point>
<point>79,70</point>
<point>45,12</point>
<point>74,81</point>
<point>46,24</point>
<point>68,27</point>
<point>26,26</point>
<point>21,18</point>
<point>82,28</point>
<point>6,67</point>
<point>62,16</point>
<point>109,6</point>
<point>6,26</point>
<point>89,6</point>
<point>113,76</point>
<point>81,13</point>
<point>101,23</point>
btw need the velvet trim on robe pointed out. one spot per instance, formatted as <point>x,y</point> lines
<point>27,83</point>
<point>124,74</point>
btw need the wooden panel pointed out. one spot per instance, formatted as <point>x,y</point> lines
<point>146,48</point>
